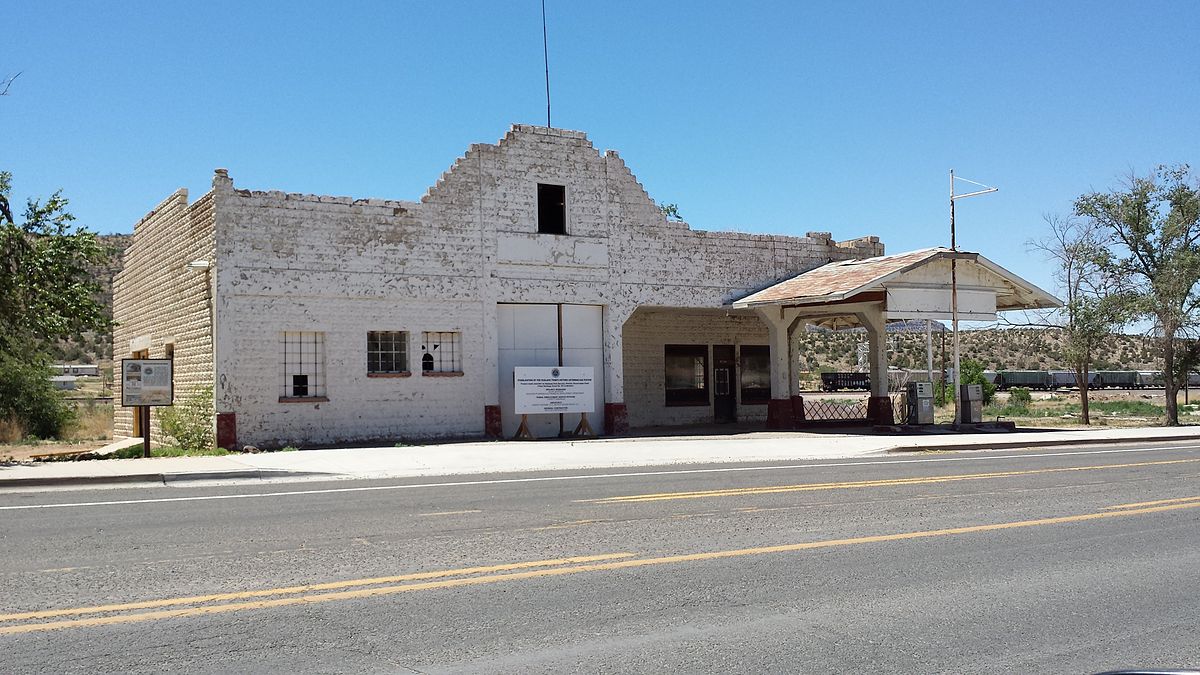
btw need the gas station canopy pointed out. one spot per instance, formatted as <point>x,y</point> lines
<point>913,285</point>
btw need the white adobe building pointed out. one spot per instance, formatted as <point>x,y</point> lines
<point>322,319</point>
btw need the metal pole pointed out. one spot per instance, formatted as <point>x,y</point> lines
<point>954,304</point>
<point>929,350</point>
<point>943,379</point>
<point>546,60</point>
<point>144,411</point>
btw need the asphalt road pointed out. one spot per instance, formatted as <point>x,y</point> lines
<point>1015,561</point>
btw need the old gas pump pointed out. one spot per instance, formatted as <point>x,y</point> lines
<point>920,403</point>
<point>971,403</point>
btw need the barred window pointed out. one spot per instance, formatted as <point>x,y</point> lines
<point>303,365</point>
<point>441,352</point>
<point>387,352</point>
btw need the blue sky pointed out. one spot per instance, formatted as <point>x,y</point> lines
<point>760,117</point>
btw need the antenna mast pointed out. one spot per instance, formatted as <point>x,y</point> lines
<point>546,60</point>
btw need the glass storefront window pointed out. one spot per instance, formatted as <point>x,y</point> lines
<point>686,374</point>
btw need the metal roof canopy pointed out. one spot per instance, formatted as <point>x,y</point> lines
<point>913,285</point>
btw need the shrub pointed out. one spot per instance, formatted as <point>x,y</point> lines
<point>1019,396</point>
<point>29,400</point>
<point>190,424</point>
<point>972,373</point>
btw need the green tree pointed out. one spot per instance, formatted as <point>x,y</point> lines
<point>47,293</point>
<point>1151,227</point>
<point>972,373</point>
<point>29,398</point>
<point>1093,307</point>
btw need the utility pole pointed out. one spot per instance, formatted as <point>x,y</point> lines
<point>546,61</point>
<point>954,287</point>
<point>929,349</point>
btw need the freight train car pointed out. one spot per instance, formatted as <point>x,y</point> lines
<point>1031,379</point>
<point>1116,379</point>
<point>839,381</point>
<point>1066,379</point>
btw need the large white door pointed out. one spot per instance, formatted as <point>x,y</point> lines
<point>583,345</point>
<point>529,336</point>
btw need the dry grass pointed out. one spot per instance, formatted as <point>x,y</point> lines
<point>11,431</point>
<point>92,422</point>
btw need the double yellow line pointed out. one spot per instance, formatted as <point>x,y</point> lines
<point>886,482</point>
<point>205,605</point>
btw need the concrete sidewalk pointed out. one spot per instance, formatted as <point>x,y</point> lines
<point>550,455</point>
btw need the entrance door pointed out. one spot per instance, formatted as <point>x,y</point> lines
<point>724,373</point>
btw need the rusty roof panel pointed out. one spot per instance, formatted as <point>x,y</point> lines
<point>838,279</point>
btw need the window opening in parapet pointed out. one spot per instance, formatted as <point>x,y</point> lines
<point>552,209</point>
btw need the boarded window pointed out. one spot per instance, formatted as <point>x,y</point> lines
<point>756,374</point>
<point>441,352</point>
<point>387,352</point>
<point>552,209</point>
<point>303,374</point>
<point>686,374</point>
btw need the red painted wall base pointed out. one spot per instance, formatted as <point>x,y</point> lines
<point>616,419</point>
<point>797,412</point>
<point>879,411</point>
<point>493,426</point>
<point>227,431</point>
<point>779,413</point>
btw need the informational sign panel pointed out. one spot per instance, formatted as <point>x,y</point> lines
<point>147,382</point>
<point>554,389</point>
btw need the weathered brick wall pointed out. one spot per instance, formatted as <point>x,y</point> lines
<point>649,330</point>
<point>157,299</point>
<point>291,262</point>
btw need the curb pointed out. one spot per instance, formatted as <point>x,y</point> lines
<point>1007,445</point>
<point>164,478</point>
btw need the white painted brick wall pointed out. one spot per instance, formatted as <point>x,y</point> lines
<point>347,266</point>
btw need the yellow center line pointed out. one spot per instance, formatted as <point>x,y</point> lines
<point>576,569</point>
<point>451,513</point>
<point>569,523</point>
<point>216,597</point>
<point>1153,503</point>
<point>884,482</point>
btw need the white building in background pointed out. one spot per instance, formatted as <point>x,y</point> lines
<point>323,319</point>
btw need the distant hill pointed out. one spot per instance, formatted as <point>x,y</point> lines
<point>997,349</point>
<point>92,347</point>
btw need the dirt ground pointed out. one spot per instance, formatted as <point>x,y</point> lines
<point>22,452</point>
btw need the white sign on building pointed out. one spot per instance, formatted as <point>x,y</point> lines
<point>147,382</point>
<point>554,389</point>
